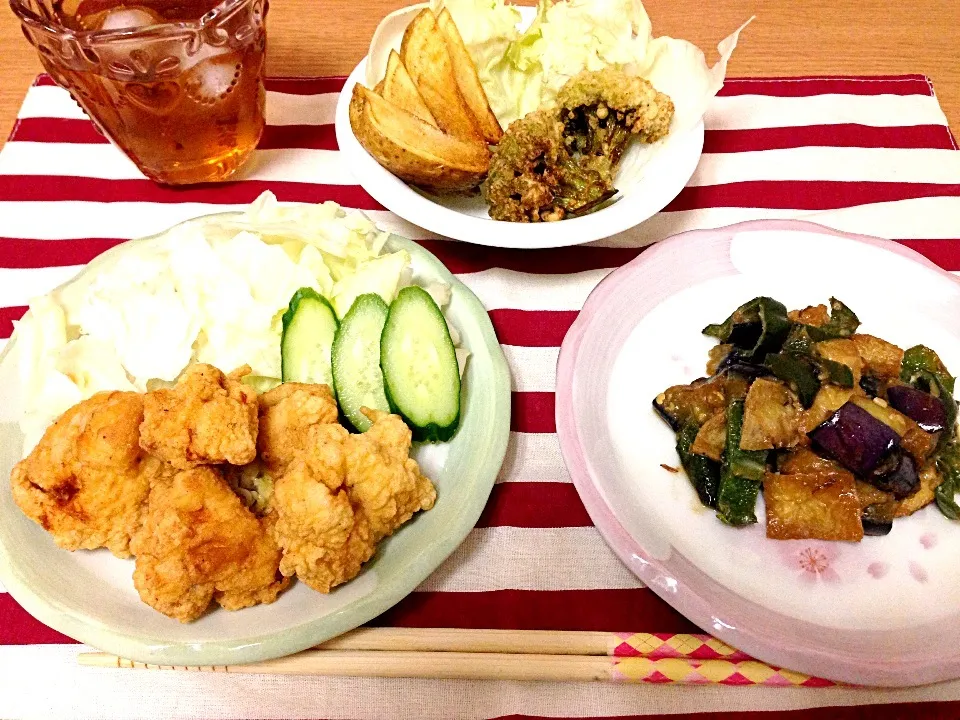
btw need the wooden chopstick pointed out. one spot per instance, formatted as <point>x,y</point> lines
<point>510,655</point>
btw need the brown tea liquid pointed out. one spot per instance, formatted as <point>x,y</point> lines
<point>185,108</point>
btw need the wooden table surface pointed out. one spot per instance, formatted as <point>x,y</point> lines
<point>788,37</point>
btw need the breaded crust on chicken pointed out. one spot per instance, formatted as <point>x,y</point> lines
<point>199,543</point>
<point>207,419</point>
<point>286,415</point>
<point>86,481</point>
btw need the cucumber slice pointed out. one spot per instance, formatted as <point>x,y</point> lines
<point>309,326</point>
<point>420,372</point>
<point>356,360</point>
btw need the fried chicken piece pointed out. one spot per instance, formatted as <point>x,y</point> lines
<point>199,543</point>
<point>207,419</point>
<point>382,479</point>
<point>286,415</point>
<point>325,539</point>
<point>339,494</point>
<point>86,481</point>
<point>561,161</point>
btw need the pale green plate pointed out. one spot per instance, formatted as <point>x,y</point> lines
<point>89,595</point>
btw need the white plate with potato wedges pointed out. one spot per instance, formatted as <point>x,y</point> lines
<point>498,125</point>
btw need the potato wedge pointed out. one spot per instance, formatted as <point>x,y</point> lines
<point>424,53</point>
<point>413,150</point>
<point>398,88</point>
<point>468,80</point>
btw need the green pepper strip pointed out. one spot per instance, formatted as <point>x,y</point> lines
<point>948,465</point>
<point>799,342</point>
<point>797,372</point>
<point>704,473</point>
<point>920,359</point>
<point>843,323</point>
<point>740,475</point>
<point>771,315</point>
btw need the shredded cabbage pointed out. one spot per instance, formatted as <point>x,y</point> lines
<point>521,72</point>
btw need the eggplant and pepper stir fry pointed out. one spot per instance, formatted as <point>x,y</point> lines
<point>842,431</point>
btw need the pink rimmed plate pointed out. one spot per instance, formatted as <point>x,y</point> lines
<point>885,611</point>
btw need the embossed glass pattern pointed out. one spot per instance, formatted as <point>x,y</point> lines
<point>176,84</point>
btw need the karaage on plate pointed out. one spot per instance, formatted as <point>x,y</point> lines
<point>207,419</point>
<point>222,496</point>
<point>287,414</point>
<point>337,494</point>
<point>199,543</point>
<point>381,477</point>
<point>86,481</point>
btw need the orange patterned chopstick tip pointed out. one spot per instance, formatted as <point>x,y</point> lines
<point>686,671</point>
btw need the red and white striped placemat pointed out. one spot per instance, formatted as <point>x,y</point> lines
<point>867,155</point>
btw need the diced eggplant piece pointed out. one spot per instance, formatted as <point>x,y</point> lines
<point>798,373</point>
<point>901,480</point>
<point>717,354</point>
<point>755,328</point>
<point>899,422</point>
<point>931,480</point>
<point>843,323</point>
<point>926,410</point>
<point>876,528</point>
<point>822,506</point>
<point>843,351</point>
<point>703,473</point>
<point>920,360</point>
<point>711,438</point>
<point>735,363</point>
<point>871,385</point>
<point>855,438</point>
<point>697,402</point>
<point>880,358</point>
<point>830,399</point>
<point>771,417</point>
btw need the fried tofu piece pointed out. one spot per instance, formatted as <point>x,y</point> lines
<point>821,506</point>
<point>286,415</point>
<point>880,358</point>
<point>86,481</point>
<point>712,437</point>
<point>199,543</point>
<point>771,417</point>
<point>816,315</point>
<point>207,419</point>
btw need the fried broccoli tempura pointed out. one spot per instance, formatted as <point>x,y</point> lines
<point>86,481</point>
<point>561,161</point>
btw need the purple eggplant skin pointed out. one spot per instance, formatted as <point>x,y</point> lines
<point>855,438</point>
<point>923,408</point>
<point>901,480</point>
<point>876,529</point>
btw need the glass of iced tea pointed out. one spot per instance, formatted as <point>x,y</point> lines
<point>176,84</point>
